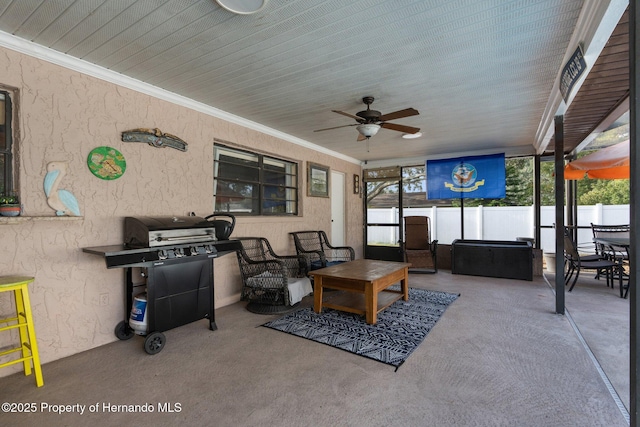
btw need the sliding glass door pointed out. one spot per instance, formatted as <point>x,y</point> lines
<point>392,193</point>
<point>383,228</point>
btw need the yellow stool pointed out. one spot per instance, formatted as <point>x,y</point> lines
<point>24,322</point>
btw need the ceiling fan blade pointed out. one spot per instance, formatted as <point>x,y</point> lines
<point>400,128</point>
<point>361,137</point>
<point>347,114</point>
<point>336,127</point>
<point>407,112</point>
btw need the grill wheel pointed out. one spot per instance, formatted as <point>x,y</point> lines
<point>154,342</point>
<point>123,331</point>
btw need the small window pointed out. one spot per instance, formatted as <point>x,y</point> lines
<point>254,184</point>
<point>6,157</point>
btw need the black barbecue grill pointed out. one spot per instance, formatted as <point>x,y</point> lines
<point>175,257</point>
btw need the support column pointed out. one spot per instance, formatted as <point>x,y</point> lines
<point>634,214</point>
<point>537,217</point>
<point>559,197</point>
<point>434,223</point>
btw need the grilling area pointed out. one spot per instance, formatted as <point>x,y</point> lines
<point>175,255</point>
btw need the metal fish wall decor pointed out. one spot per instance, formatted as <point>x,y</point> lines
<point>155,138</point>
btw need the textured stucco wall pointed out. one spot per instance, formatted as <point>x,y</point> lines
<point>63,115</point>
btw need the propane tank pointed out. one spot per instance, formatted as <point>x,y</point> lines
<point>138,318</point>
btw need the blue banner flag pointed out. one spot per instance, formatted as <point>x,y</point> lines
<point>472,177</point>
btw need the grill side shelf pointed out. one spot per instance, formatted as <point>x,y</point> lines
<point>226,246</point>
<point>119,256</point>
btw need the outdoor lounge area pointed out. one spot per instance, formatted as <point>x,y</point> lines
<point>499,356</point>
<point>160,162</point>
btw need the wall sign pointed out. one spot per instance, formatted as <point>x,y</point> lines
<point>571,72</point>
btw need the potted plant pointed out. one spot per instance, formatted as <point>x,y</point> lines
<point>10,206</point>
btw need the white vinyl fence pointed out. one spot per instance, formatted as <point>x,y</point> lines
<point>495,223</point>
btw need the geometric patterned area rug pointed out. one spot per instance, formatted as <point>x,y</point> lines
<point>399,329</point>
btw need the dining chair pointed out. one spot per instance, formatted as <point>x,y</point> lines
<point>614,252</point>
<point>575,264</point>
<point>614,231</point>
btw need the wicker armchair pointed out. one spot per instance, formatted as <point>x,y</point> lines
<point>315,247</point>
<point>271,283</point>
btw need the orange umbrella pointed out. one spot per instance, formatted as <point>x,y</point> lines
<point>608,163</point>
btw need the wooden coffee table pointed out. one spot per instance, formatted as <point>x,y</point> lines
<point>365,282</point>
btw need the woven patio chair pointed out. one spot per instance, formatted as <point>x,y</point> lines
<point>271,283</point>
<point>315,247</point>
<point>417,247</point>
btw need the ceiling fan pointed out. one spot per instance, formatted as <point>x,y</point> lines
<point>370,121</point>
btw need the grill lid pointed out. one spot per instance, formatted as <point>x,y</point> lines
<point>142,232</point>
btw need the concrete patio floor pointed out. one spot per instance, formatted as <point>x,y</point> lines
<point>602,317</point>
<point>499,356</point>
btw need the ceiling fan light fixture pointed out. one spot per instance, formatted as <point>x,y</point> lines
<point>412,135</point>
<point>368,129</point>
<point>242,7</point>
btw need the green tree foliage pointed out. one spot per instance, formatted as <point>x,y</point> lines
<point>590,191</point>
<point>519,181</point>
<point>607,192</point>
<point>519,186</point>
<point>547,184</point>
<point>383,181</point>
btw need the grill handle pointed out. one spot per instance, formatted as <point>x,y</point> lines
<point>188,238</point>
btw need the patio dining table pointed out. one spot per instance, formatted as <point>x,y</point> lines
<point>616,244</point>
<point>613,241</point>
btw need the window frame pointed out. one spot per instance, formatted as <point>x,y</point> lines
<point>7,151</point>
<point>291,200</point>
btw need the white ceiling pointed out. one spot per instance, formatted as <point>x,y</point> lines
<point>483,74</point>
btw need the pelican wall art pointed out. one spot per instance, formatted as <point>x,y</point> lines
<point>60,200</point>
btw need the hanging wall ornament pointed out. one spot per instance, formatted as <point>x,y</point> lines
<point>155,138</point>
<point>106,163</point>
<point>60,200</point>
